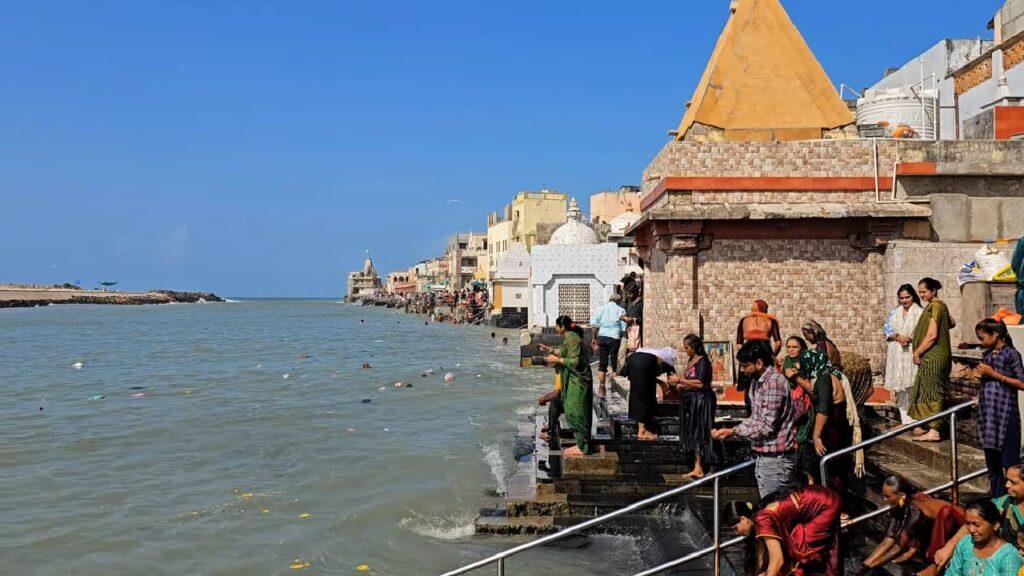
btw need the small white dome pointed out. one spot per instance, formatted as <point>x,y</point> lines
<point>574,233</point>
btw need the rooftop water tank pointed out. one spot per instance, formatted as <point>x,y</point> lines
<point>898,106</point>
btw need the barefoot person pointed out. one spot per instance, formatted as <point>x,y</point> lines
<point>919,526</point>
<point>643,369</point>
<point>1002,376</point>
<point>900,369</point>
<point>697,405</point>
<point>933,356</point>
<point>577,384</point>
<point>608,331</point>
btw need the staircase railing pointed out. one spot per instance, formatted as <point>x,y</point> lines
<point>952,485</point>
<point>718,545</point>
<point>499,558</point>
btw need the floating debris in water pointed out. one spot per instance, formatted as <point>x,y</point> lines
<point>96,397</point>
<point>139,395</point>
<point>449,377</point>
<point>246,496</point>
<point>265,511</point>
<point>479,376</point>
<point>387,430</point>
<point>366,401</point>
<point>362,567</point>
<point>304,515</point>
<point>77,365</point>
<point>382,388</point>
<point>351,430</point>
<point>136,387</point>
<point>259,365</point>
<point>299,564</point>
<point>428,371</point>
<point>304,356</point>
<point>286,376</point>
<point>399,384</point>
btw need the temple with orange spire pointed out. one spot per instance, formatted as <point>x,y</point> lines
<point>766,191</point>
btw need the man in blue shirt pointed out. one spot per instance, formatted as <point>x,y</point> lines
<point>608,331</point>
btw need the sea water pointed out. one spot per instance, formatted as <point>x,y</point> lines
<point>246,439</point>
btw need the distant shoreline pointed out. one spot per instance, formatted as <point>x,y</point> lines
<point>32,296</point>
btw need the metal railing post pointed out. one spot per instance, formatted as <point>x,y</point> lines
<point>717,530</point>
<point>501,567</point>
<point>954,464</point>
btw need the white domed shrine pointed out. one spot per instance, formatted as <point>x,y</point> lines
<point>573,274</point>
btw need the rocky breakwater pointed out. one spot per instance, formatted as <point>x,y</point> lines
<point>27,297</point>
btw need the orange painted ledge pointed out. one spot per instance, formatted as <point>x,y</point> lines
<point>783,183</point>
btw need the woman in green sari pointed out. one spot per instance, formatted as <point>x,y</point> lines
<point>577,384</point>
<point>933,354</point>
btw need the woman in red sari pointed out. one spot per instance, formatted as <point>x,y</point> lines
<point>794,534</point>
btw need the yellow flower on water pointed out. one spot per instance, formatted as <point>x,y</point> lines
<point>246,496</point>
<point>265,511</point>
<point>362,567</point>
<point>304,515</point>
<point>299,564</point>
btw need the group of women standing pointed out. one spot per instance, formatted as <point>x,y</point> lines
<point>920,355</point>
<point>918,365</point>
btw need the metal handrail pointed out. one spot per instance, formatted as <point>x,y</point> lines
<point>500,557</point>
<point>717,545</point>
<point>953,485</point>
<point>852,522</point>
<point>950,412</point>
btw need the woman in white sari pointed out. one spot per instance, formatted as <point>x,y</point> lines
<point>900,369</point>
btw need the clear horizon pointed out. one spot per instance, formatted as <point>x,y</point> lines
<point>263,148</point>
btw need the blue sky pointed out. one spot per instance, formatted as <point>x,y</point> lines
<point>258,148</point>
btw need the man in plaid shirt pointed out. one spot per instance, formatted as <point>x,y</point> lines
<point>771,427</point>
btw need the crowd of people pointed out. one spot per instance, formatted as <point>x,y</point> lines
<point>801,406</point>
<point>466,306</point>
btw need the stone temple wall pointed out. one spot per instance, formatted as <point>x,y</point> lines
<point>818,158</point>
<point>827,280</point>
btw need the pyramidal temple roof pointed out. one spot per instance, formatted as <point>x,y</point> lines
<point>763,82</point>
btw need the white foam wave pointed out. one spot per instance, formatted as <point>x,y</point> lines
<point>230,301</point>
<point>492,457</point>
<point>450,528</point>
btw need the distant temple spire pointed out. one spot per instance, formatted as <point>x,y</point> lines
<point>762,83</point>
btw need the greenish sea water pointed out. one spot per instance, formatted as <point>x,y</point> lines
<point>235,439</point>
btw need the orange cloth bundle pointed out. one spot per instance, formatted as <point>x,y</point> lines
<point>1007,317</point>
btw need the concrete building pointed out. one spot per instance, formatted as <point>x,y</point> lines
<point>363,282</point>
<point>400,282</point>
<point>510,289</point>
<point>572,274</point>
<point>989,91</point>
<point>920,93</point>
<point>815,221</point>
<point>520,220</point>
<point>607,205</point>
<point>462,258</point>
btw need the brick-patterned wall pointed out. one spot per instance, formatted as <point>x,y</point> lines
<point>826,280</point>
<point>973,75</point>
<point>907,261</point>
<point>776,197</point>
<point>669,311</point>
<point>820,158</point>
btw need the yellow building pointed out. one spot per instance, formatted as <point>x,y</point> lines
<point>519,221</point>
<point>607,205</point>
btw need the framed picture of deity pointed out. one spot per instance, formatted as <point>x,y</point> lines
<point>722,362</point>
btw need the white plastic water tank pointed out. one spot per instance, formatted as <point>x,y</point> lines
<point>898,106</point>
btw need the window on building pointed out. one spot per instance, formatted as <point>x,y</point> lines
<point>574,301</point>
